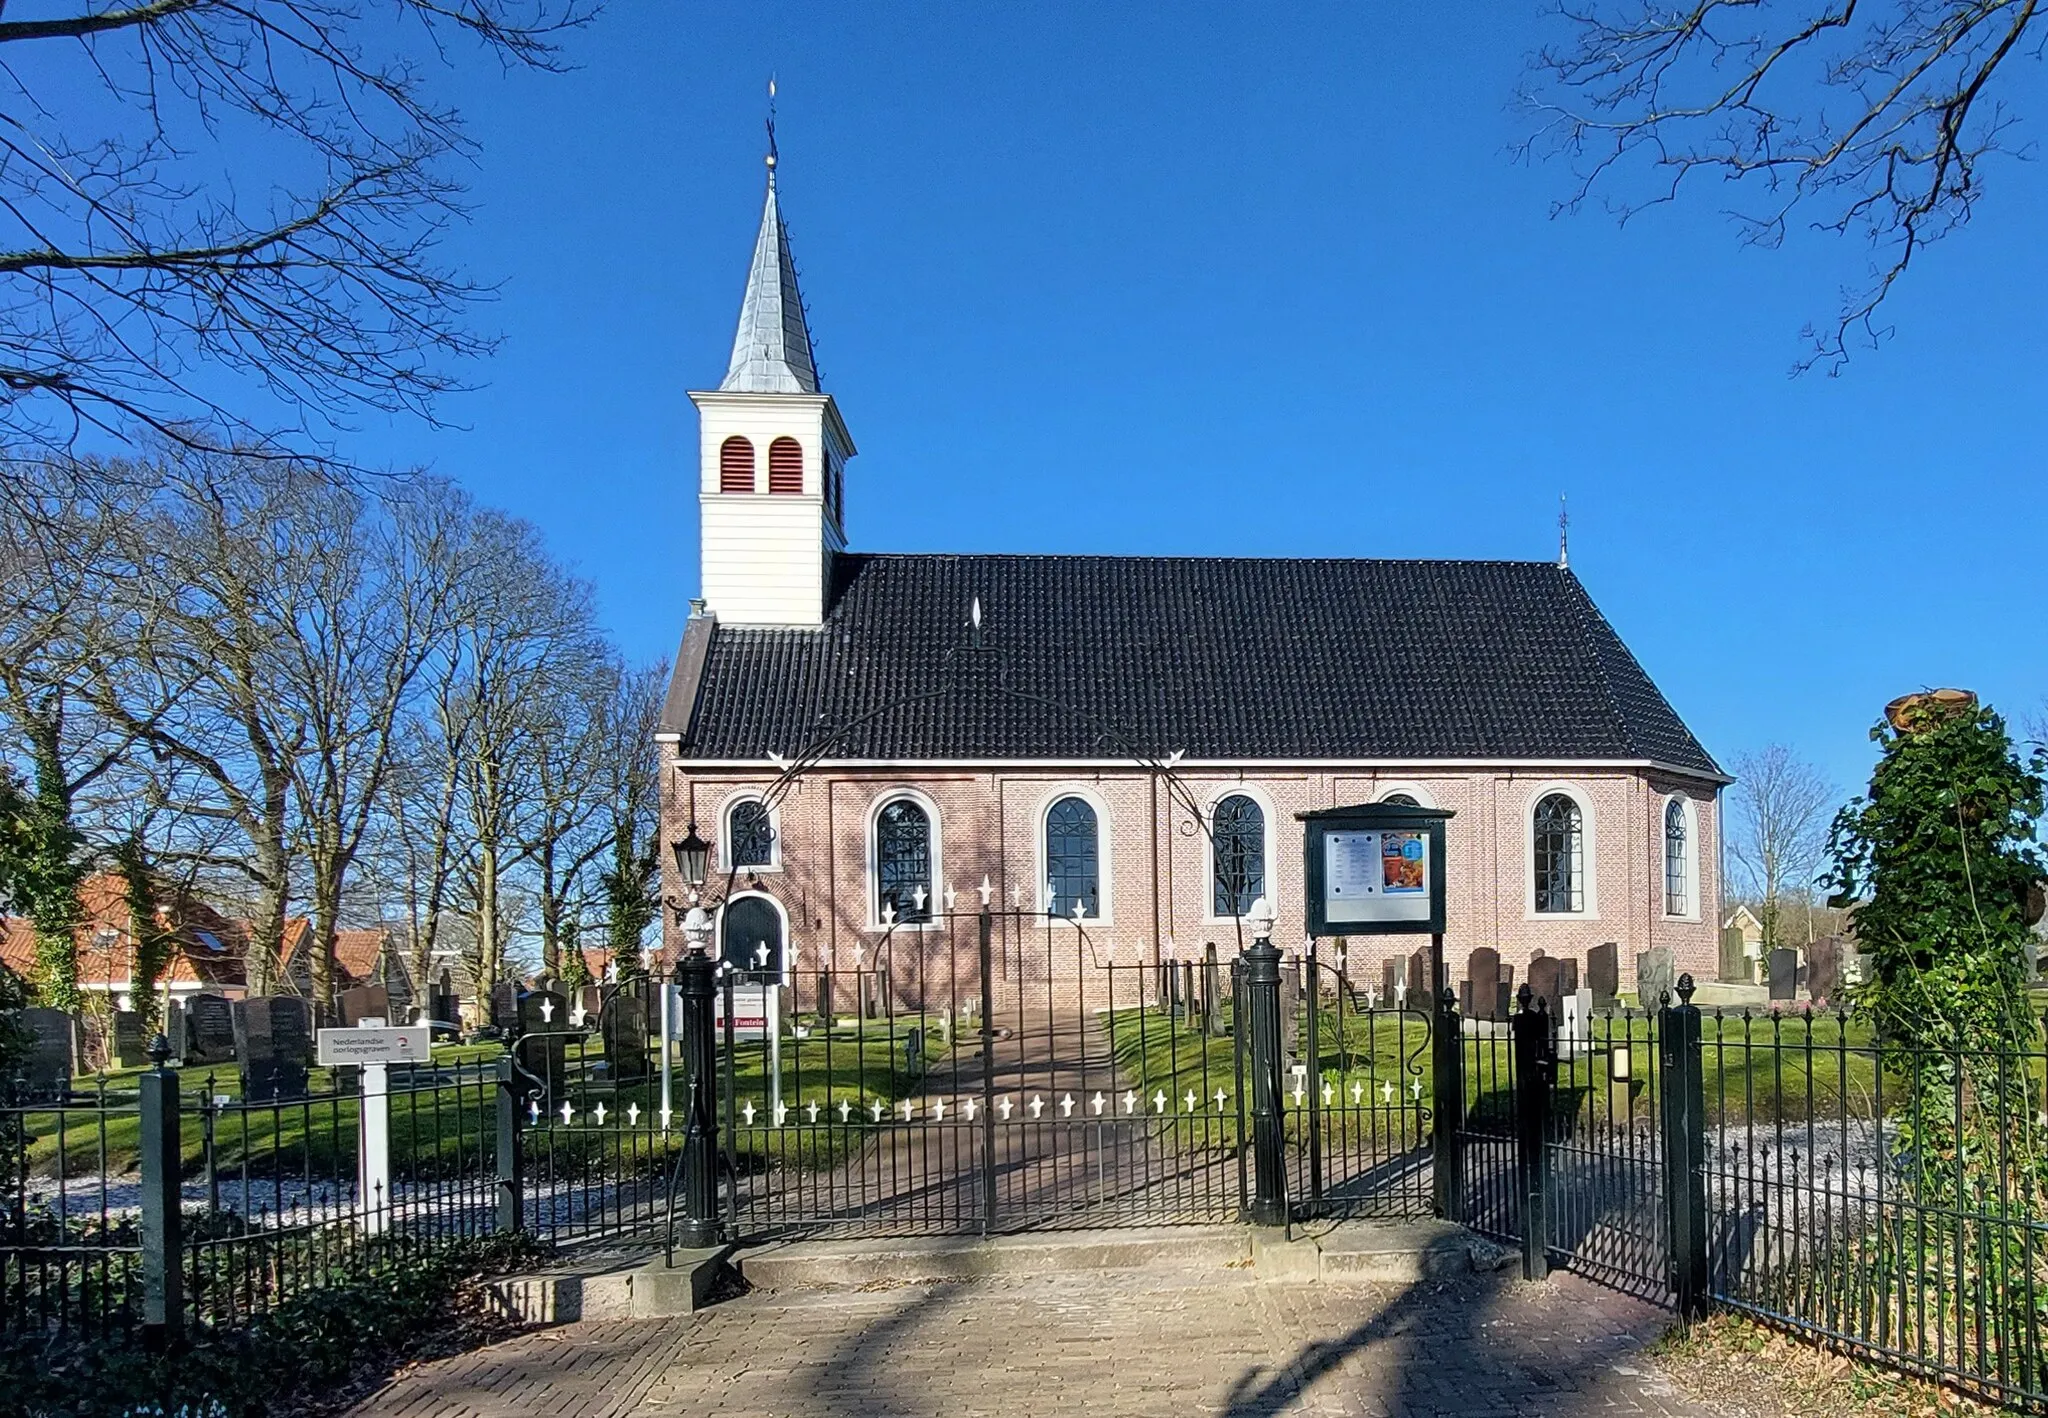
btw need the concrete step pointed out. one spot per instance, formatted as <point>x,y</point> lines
<point>612,1287</point>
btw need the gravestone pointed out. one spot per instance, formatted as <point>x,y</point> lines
<point>273,1039</point>
<point>52,1038</point>
<point>1504,996</point>
<point>623,1023</point>
<point>363,1002</point>
<point>1575,1025</point>
<point>590,999</point>
<point>1656,976</point>
<point>1603,973</point>
<point>505,1006</point>
<point>1393,980</point>
<point>131,1048</point>
<point>1544,980</point>
<point>1824,969</point>
<point>1568,974</point>
<point>1784,974</point>
<point>1483,974</point>
<point>1421,988</point>
<point>209,1030</point>
<point>1212,992</point>
<point>543,1020</point>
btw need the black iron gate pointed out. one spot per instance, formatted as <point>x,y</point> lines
<point>1579,1141</point>
<point>1003,1070</point>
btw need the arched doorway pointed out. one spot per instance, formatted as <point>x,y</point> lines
<point>749,925</point>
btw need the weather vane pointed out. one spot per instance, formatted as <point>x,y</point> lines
<point>1564,523</point>
<point>771,127</point>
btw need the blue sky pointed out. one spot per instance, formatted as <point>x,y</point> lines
<point>1213,279</point>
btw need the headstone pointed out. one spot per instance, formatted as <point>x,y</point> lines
<point>1482,969</point>
<point>1734,961</point>
<point>209,1031</point>
<point>1393,973</point>
<point>1568,975</point>
<point>1603,973</point>
<point>46,1072</point>
<point>505,1006</point>
<point>1504,996</point>
<point>1212,992</point>
<point>591,1000</point>
<point>1575,1028</point>
<point>1543,979</point>
<point>623,1022</point>
<point>131,1048</point>
<point>273,1039</point>
<point>1824,969</point>
<point>1656,976</point>
<point>1421,988</point>
<point>543,1026</point>
<point>1784,974</point>
<point>363,1002</point>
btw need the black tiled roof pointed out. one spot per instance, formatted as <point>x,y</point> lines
<point>1084,656</point>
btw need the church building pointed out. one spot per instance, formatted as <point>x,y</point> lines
<point>865,736</point>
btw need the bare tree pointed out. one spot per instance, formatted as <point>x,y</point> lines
<point>144,289</point>
<point>1782,808</point>
<point>1867,119</point>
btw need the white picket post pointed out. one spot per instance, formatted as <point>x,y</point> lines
<point>373,1149</point>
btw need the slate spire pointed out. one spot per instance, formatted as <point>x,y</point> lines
<point>771,353</point>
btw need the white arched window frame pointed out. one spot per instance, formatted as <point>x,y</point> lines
<point>1103,842</point>
<point>1272,856</point>
<point>782,914</point>
<point>1420,794</point>
<point>1589,856</point>
<point>726,851</point>
<point>1681,871</point>
<point>937,850</point>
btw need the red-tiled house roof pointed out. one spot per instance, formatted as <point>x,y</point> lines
<point>207,951</point>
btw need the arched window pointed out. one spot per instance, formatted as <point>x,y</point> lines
<point>736,465</point>
<point>1560,855</point>
<point>1239,842</point>
<point>903,861</point>
<point>750,834</point>
<point>1073,858</point>
<point>751,935</point>
<point>1677,865</point>
<point>785,466</point>
<point>1401,800</point>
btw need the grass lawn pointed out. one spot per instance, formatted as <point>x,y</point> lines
<point>854,1066</point>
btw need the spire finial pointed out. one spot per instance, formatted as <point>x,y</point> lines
<point>771,130</point>
<point>1564,526</point>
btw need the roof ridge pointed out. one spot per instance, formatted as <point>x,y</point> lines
<point>1201,557</point>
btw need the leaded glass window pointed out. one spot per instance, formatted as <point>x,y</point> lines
<point>1400,800</point>
<point>1073,858</point>
<point>1560,855</point>
<point>1677,896</point>
<point>903,861</point>
<point>750,834</point>
<point>1240,847</point>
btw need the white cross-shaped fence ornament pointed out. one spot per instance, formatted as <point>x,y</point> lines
<point>632,1115</point>
<point>917,898</point>
<point>1328,1092</point>
<point>1016,897</point>
<point>986,892</point>
<point>1221,1096</point>
<point>781,1114</point>
<point>533,1109</point>
<point>600,1114</point>
<point>761,955</point>
<point>811,1110</point>
<point>1159,1101</point>
<point>905,1105</point>
<point>845,1110</point>
<point>1004,1107</point>
<point>950,896</point>
<point>1190,1099</point>
<point>1387,1091</point>
<point>1067,1105</point>
<point>859,954</point>
<point>568,1111</point>
<point>939,1109</point>
<point>1357,1094</point>
<point>1130,1101</point>
<point>969,1107</point>
<point>1415,1089</point>
<point>748,1112</point>
<point>547,1011</point>
<point>1400,994</point>
<point>1372,997</point>
<point>666,1114</point>
<point>1037,1106</point>
<point>1095,1103</point>
<point>875,1110</point>
<point>576,1015</point>
<point>1300,1093</point>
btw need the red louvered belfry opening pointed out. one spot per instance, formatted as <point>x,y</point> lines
<point>785,466</point>
<point>736,465</point>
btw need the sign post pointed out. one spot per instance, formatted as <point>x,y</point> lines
<point>374,1048</point>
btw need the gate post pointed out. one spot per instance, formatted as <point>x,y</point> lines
<point>511,1182</point>
<point>1447,1056</point>
<point>1534,1060</point>
<point>1262,1003</point>
<point>163,1247</point>
<point>699,1161</point>
<point>1682,1102</point>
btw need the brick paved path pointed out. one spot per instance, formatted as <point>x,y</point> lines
<point>1096,1343</point>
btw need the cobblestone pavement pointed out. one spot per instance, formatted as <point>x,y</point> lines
<point>1095,1343</point>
